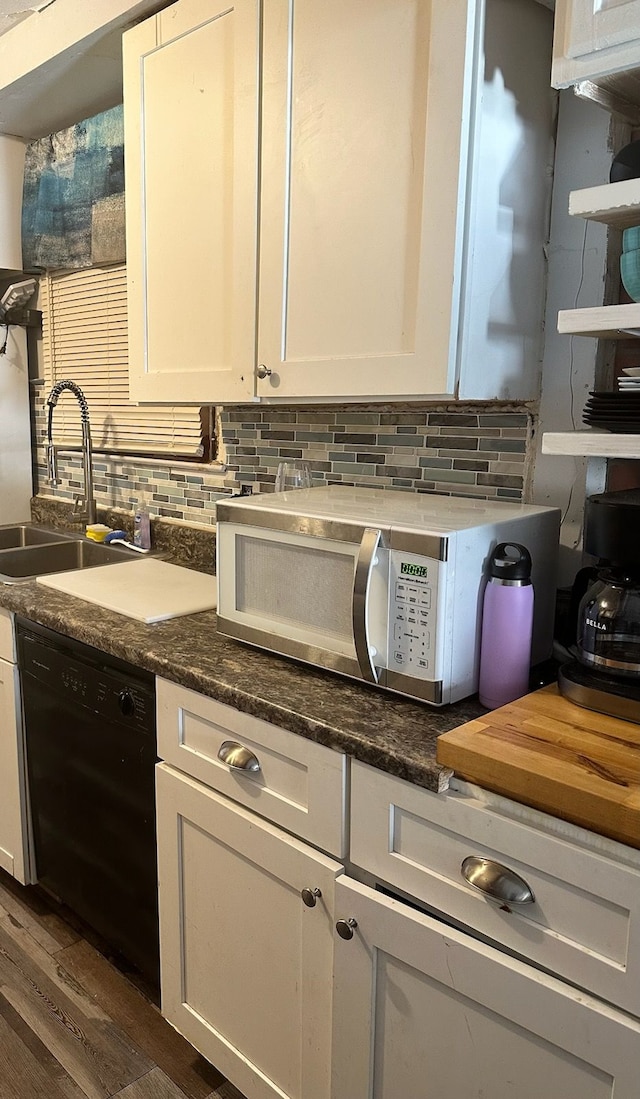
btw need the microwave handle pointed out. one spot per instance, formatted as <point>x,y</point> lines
<point>364,564</point>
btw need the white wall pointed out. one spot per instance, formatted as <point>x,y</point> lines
<point>64,63</point>
<point>15,429</point>
<point>510,195</point>
<point>576,278</point>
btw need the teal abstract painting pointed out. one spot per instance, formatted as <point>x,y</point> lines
<point>73,197</point>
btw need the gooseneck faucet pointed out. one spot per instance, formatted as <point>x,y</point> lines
<point>84,507</point>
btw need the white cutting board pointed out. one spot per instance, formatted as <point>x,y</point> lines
<point>148,590</point>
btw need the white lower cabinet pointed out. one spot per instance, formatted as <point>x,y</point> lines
<point>11,833</point>
<point>245,961</point>
<point>424,1011</point>
<point>582,922</point>
<point>300,980</point>
<point>13,828</point>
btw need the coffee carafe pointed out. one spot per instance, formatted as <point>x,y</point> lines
<point>608,638</point>
<point>606,675</point>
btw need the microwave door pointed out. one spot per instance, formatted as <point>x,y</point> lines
<point>293,592</point>
<point>367,560</point>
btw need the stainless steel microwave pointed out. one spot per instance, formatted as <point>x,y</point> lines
<point>381,585</point>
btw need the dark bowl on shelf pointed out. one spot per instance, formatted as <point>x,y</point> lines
<point>626,163</point>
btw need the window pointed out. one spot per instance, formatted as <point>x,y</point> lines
<point>84,316</point>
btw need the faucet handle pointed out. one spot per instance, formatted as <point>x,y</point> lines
<point>79,506</point>
<point>52,464</point>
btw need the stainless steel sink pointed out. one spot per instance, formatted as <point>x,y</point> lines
<point>26,562</point>
<point>24,534</point>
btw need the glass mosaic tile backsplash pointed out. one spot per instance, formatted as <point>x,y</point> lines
<point>480,450</point>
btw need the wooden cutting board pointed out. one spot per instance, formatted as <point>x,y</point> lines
<point>546,751</point>
<point>148,590</point>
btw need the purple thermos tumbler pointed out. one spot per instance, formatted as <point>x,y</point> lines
<point>507,623</point>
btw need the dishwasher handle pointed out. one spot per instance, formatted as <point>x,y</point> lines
<point>496,880</point>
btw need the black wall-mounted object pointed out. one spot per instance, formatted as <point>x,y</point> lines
<point>23,318</point>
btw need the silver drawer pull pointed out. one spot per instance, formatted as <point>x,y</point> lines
<point>237,756</point>
<point>496,880</point>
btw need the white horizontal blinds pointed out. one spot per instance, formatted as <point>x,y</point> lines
<point>84,319</point>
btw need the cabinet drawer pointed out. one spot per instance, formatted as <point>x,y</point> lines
<point>584,922</point>
<point>297,784</point>
<point>7,646</point>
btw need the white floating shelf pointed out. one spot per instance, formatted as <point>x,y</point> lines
<point>591,444</point>
<point>613,322</point>
<point>615,204</point>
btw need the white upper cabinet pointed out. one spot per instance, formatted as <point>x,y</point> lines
<point>191,139</point>
<point>594,38</point>
<point>364,150</point>
<point>348,183</point>
<point>311,185</point>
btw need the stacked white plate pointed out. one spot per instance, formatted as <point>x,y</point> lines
<point>630,379</point>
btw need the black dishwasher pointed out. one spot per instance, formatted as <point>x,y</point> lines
<point>89,726</point>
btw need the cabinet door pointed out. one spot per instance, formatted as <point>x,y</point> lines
<point>191,138</point>
<point>593,38</point>
<point>13,851</point>
<point>245,964</point>
<point>365,125</point>
<point>424,1011</point>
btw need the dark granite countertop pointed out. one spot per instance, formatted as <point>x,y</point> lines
<point>375,726</point>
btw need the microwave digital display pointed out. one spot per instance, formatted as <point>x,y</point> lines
<point>408,568</point>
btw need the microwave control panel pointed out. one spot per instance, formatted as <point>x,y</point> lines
<point>413,605</point>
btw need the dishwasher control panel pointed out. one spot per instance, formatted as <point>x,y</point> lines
<point>113,695</point>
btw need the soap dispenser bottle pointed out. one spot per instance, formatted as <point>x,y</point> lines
<point>507,627</point>
<point>142,527</point>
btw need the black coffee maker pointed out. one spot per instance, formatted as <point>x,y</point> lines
<point>606,674</point>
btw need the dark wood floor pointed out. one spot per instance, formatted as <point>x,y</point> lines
<point>73,1025</point>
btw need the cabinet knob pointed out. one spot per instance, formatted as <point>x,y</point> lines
<point>496,880</point>
<point>345,928</point>
<point>263,371</point>
<point>238,757</point>
<point>310,896</point>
